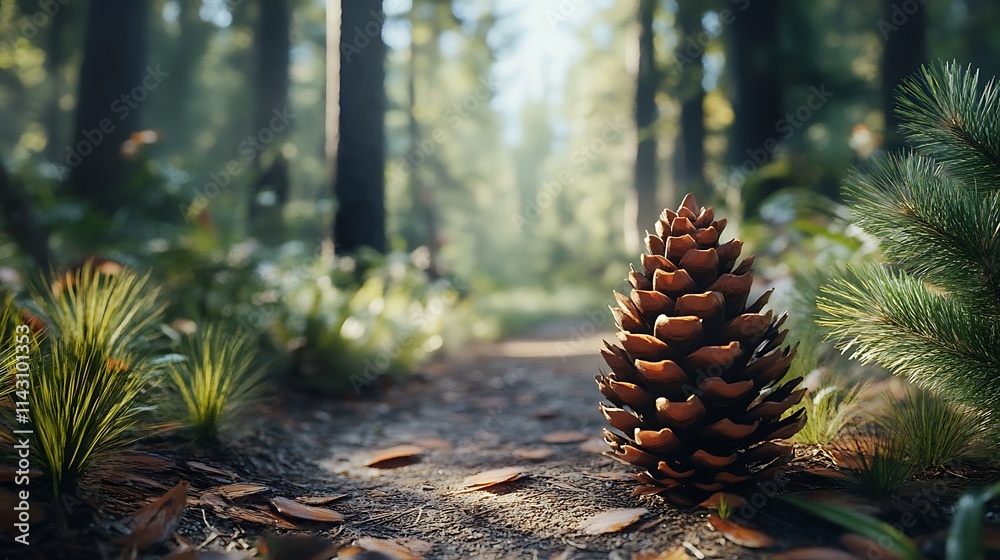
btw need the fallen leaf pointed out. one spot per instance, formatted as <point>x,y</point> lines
<point>595,445</point>
<point>814,553</point>
<point>433,443</point>
<point>260,517</point>
<point>675,554</point>
<point>157,521</point>
<point>866,548</point>
<point>493,477</point>
<point>611,521</point>
<point>713,501</point>
<point>545,412</point>
<point>534,454</point>
<point>291,508</point>
<point>383,457</point>
<point>566,436</point>
<point>743,536</point>
<point>213,500</point>
<point>199,466</point>
<point>233,491</point>
<point>392,549</point>
<point>295,547</point>
<point>319,500</point>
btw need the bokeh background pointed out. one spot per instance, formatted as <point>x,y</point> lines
<point>364,183</point>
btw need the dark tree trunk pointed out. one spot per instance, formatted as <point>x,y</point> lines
<point>905,50</point>
<point>21,225</point>
<point>360,175</point>
<point>55,55</point>
<point>273,57</point>
<point>646,209</point>
<point>114,84</point>
<point>689,162</point>
<point>758,97</point>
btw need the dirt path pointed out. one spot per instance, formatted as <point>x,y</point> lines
<point>487,405</point>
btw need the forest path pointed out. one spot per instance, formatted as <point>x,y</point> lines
<point>489,404</point>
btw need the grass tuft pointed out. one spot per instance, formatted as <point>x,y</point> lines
<point>828,412</point>
<point>220,376</point>
<point>879,465</point>
<point>934,432</point>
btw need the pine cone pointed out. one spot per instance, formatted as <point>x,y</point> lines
<point>695,386</point>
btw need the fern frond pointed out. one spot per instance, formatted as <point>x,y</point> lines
<point>901,323</point>
<point>945,114</point>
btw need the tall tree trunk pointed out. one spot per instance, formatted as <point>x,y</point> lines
<point>21,224</point>
<point>905,50</point>
<point>189,49</point>
<point>689,161</point>
<point>114,83</point>
<point>273,56</point>
<point>55,55</point>
<point>332,117</point>
<point>755,60</point>
<point>421,191</point>
<point>360,177</point>
<point>644,208</point>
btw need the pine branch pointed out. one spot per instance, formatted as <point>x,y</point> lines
<point>937,229</point>
<point>945,115</point>
<point>897,321</point>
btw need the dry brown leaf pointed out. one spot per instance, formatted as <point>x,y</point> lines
<point>319,500</point>
<point>545,412</point>
<point>814,553</point>
<point>213,500</point>
<point>199,466</point>
<point>295,547</point>
<point>866,548</point>
<point>493,477</point>
<point>395,549</point>
<point>565,436</point>
<point>383,457</point>
<point>291,508</point>
<point>595,445</point>
<point>611,521</point>
<point>534,454</point>
<point>157,521</point>
<point>713,501</point>
<point>234,491</point>
<point>743,536</point>
<point>676,554</point>
<point>260,517</point>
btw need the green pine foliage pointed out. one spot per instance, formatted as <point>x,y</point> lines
<point>932,313</point>
<point>220,376</point>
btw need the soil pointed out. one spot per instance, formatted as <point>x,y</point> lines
<point>471,413</point>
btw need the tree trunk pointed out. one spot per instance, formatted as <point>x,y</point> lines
<point>422,193</point>
<point>332,117</point>
<point>114,83</point>
<point>689,160</point>
<point>360,177</point>
<point>21,223</point>
<point>905,50</point>
<point>645,208</point>
<point>273,44</point>
<point>55,55</point>
<point>188,53</point>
